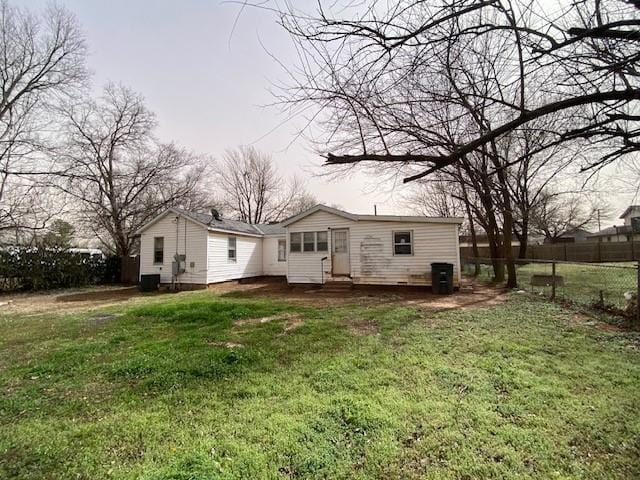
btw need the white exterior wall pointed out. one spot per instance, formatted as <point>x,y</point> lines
<point>371,251</point>
<point>270,263</point>
<point>305,267</point>
<point>373,261</point>
<point>192,242</point>
<point>248,257</point>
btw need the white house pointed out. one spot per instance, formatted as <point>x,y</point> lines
<point>629,231</point>
<point>315,246</point>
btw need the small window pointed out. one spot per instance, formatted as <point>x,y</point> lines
<point>282,250</point>
<point>402,243</point>
<point>158,250</point>
<point>322,244</point>
<point>295,242</point>
<point>309,244</point>
<point>231,249</point>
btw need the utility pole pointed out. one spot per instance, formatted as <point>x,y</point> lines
<point>599,227</point>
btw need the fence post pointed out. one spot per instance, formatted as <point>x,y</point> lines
<point>553,280</point>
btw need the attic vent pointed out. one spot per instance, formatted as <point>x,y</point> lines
<point>216,214</point>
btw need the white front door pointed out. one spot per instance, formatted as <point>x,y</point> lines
<point>340,264</point>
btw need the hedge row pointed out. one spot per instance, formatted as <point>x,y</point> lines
<point>30,268</point>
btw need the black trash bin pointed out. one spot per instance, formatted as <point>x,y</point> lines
<point>442,278</point>
<point>150,282</point>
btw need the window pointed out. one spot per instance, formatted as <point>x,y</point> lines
<point>231,249</point>
<point>158,250</point>
<point>340,238</point>
<point>309,242</point>
<point>322,243</point>
<point>402,243</point>
<point>282,250</point>
<point>295,242</point>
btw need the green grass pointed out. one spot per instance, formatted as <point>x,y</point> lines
<point>509,391</point>
<point>582,282</point>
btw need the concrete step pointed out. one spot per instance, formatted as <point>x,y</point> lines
<point>338,285</point>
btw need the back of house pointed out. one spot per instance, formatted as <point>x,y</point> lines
<point>319,245</point>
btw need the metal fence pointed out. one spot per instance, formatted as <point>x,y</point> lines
<point>610,287</point>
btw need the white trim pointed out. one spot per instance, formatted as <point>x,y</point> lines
<point>160,216</point>
<point>394,243</point>
<point>409,219</point>
<point>371,218</point>
<point>315,209</point>
<point>233,232</point>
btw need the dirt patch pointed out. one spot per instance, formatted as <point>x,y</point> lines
<point>293,321</point>
<point>362,328</point>
<point>229,345</point>
<point>71,300</point>
<point>473,296</point>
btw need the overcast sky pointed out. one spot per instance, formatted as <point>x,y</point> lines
<point>209,88</point>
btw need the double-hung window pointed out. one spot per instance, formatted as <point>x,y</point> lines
<point>158,250</point>
<point>403,243</point>
<point>231,249</point>
<point>322,241</point>
<point>309,242</point>
<point>295,242</point>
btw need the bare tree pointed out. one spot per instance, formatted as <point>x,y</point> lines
<point>581,61</point>
<point>557,214</point>
<point>42,59</point>
<point>115,171</point>
<point>255,192</point>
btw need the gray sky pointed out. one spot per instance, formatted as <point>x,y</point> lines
<point>209,89</point>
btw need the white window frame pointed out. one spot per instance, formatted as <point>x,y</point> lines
<point>233,259</point>
<point>282,258</point>
<point>394,243</point>
<point>326,249</point>
<point>291,242</point>
<point>154,251</point>
<point>304,242</point>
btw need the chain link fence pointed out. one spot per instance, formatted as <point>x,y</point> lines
<point>610,287</point>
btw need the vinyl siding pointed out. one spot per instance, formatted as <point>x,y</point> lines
<point>371,251</point>
<point>270,263</point>
<point>373,261</point>
<point>305,267</point>
<point>192,242</point>
<point>248,257</point>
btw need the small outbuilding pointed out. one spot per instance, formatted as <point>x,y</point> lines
<point>319,245</point>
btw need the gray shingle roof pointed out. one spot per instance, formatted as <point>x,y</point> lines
<point>233,225</point>
<point>271,228</point>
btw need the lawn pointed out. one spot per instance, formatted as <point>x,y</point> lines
<point>203,386</point>
<point>582,282</point>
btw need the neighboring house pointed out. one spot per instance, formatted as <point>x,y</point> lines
<point>315,246</point>
<point>576,235</point>
<point>627,232</point>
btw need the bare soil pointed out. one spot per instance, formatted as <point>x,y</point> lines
<point>97,298</point>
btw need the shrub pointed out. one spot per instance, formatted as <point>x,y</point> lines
<point>40,268</point>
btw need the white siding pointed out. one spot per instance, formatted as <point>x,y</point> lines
<point>192,241</point>
<point>248,257</point>
<point>305,267</point>
<point>371,251</point>
<point>270,263</point>
<point>373,261</point>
